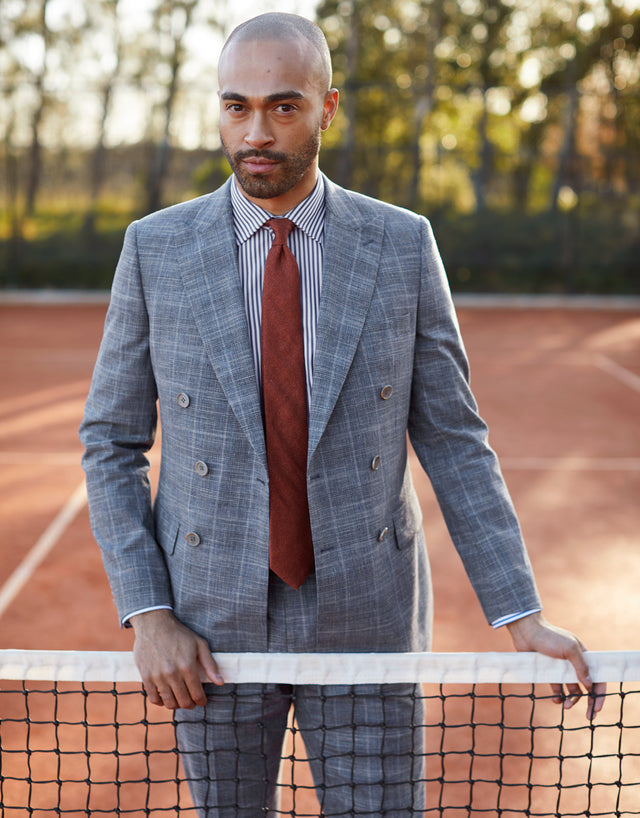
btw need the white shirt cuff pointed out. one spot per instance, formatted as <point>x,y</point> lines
<point>505,620</point>
<point>125,620</point>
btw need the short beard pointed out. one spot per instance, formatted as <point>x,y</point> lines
<point>291,169</point>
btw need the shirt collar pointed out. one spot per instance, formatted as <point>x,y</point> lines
<point>308,216</point>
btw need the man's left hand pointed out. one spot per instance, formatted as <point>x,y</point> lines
<point>534,633</point>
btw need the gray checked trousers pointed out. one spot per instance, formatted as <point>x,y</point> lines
<point>365,743</point>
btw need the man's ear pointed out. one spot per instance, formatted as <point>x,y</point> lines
<point>329,108</point>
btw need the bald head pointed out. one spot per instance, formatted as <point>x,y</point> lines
<point>281,27</point>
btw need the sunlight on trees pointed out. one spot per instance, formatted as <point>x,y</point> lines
<point>519,116</point>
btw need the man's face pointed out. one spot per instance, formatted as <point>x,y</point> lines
<point>272,111</point>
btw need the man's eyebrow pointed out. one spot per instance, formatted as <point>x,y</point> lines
<point>279,96</point>
<point>282,95</point>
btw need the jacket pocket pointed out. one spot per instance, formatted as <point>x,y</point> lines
<point>394,328</point>
<point>167,535</point>
<point>407,521</point>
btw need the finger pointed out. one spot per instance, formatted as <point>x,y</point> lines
<point>167,699</point>
<point>211,669</point>
<point>169,689</point>
<point>577,658</point>
<point>557,694</point>
<point>194,688</point>
<point>182,687</point>
<point>596,699</point>
<point>597,691</point>
<point>574,695</point>
<point>153,694</point>
<point>192,674</point>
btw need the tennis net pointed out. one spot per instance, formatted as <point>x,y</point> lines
<point>78,737</point>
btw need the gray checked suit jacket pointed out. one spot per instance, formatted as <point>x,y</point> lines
<point>176,338</point>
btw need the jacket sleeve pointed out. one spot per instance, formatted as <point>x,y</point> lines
<point>118,429</point>
<point>451,442</point>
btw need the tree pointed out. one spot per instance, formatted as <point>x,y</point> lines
<point>103,15</point>
<point>427,35</point>
<point>38,27</point>
<point>171,20</point>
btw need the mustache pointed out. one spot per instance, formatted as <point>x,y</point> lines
<point>253,153</point>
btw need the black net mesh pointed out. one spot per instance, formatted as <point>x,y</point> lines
<point>78,749</point>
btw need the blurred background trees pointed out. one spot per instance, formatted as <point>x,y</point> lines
<point>514,125</point>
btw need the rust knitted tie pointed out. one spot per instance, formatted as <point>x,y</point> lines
<point>285,411</point>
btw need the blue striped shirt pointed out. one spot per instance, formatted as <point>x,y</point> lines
<point>306,242</point>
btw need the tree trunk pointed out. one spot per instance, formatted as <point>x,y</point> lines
<point>424,102</point>
<point>99,153</point>
<point>480,177</point>
<point>350,105</point>
<point>160,161</point>
<point>35,150</point>
<point>567,153</point>
<point>14,245</point>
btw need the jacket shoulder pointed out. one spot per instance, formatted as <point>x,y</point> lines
<point>367,207</point>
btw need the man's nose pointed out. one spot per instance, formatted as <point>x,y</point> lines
<point>259,134</point>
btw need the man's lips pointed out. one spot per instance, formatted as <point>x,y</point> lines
<point>258,164</point>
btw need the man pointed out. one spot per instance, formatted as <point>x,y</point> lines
<point>382,356</point>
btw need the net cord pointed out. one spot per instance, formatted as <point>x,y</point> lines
<point>332,668</point>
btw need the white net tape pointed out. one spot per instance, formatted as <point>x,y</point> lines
<point>332,668</point>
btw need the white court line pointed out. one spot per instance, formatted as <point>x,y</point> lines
<point>43,546</point>
<point>625,376</point>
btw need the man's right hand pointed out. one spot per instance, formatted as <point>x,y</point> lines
<point>172,660</point>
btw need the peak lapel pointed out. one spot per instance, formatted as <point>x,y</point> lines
<point>352,249</point>
<point>209,268</point>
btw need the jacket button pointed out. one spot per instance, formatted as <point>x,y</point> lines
<point>382,534</point>
<point>201,468</point>
<point>386,392</point>
<point>375,463</point>
<point>193,539</point>
<point>183,400</point>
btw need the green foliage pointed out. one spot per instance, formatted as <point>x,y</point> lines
<point>540,253</point>
<point>211,173</point>
<point>514,126</point>
<point>492,251</point>
<point>473,105</point>
<point>58,250</point>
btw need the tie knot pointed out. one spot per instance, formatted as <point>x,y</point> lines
<point>281,229</point>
